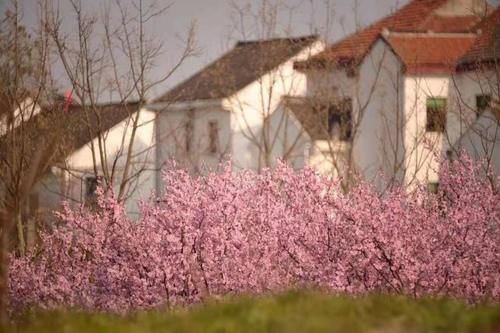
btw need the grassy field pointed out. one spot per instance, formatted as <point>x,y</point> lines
<point>292,312</point>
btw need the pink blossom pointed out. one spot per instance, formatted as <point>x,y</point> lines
<point>230,233</point>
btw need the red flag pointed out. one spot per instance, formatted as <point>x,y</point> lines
<point>68,100</point>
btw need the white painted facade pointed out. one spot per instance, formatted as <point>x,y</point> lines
<point>246,119</point>
<point>391,142</point>
<point>67,183</point>
<point>192,150</point>
<point>378,117</point>
<point>479,133</point>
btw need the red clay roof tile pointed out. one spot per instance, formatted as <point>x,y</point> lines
<point>417,16</point>
<point>429,54</point>
<point>487,45</point>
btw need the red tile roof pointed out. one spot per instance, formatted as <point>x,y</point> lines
<point>429,54</point>
<point>487,45</point>
<point>417,16</point>
<point>450,24</point>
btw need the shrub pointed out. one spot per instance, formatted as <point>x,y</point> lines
<point>231,233</point>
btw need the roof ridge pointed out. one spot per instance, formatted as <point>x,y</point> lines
<point>355,45</point>
<point>276,39</point>
<point>387,18</point>
<point>239,66</point>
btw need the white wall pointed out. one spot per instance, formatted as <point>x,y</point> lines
<point>292,142</point>
<point>331,84</point>
<point>479,137</point>
<point>80,163</point>
<point>257,101</point>
<point>378,147</point>
<point>424,149</point>
<point>171,137</point>
<point>26,110</point>
<point>330,158</point>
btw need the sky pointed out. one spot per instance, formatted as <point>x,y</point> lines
<point>216,30</point>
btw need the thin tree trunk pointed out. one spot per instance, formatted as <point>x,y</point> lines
<point>4,269</point>
<point>20,233</point>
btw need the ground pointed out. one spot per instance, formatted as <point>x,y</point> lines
<point>291,312</point>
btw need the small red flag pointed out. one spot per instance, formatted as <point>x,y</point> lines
<point>68,100</point>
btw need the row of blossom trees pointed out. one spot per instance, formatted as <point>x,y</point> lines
<point>230,233</point>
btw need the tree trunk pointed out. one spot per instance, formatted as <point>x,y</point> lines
<point>21,243</point>
<point>4,268</point>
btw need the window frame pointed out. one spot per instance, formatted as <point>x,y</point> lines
<point>340,113</point>
<point>213,137</point>
<point>90,196</point>
<point>433,187</point>
<point>188,135</point>
<point>433,125</point>
<point>482,108</point>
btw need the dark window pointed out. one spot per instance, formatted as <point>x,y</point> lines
<point>433,187</point>
<point>188,128</point>
<point>482,103</point>
<point>91,183</point>
<point>213,137</point>
<point>340,120</point>
<point>436,115</point>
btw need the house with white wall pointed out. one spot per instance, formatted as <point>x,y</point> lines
<point>477,89</point>
<point>85,146</point>
<point>102,142</point>
<point>385,103</point>
<point>405,90</point>
<point>232,109</point>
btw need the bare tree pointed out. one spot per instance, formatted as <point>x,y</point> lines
<point>118,68</point>
<point>27,139</point>
<point>347,113</point>
<point>277,136</point>
<point>29,136</point>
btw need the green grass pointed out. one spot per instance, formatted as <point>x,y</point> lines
<point>293,312</point>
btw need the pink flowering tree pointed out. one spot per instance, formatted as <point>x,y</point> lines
<point>230,233</point>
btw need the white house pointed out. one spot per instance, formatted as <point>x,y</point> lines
<point>232,108</point>
<point>102,148</point>
<point>477,89</point>
<point>228,110</point>
<point>405,82</point>
<point>385,103</point>
<point>87,145</point>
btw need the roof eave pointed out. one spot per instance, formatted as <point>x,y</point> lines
<point>183,105</point>
<point>482,64</point>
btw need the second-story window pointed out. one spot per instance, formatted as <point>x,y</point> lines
<point>340,120</point>
<point>482,103</point>
<point>436,114</point>
<point>213,137</point>
<point>188,138</point>
<point>91,183</point>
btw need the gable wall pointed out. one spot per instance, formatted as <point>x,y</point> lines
<point>80,163</point>
<point>378,148</point>
<point>252,108</point>
<point>480,137</point>
<point>171,138</point>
